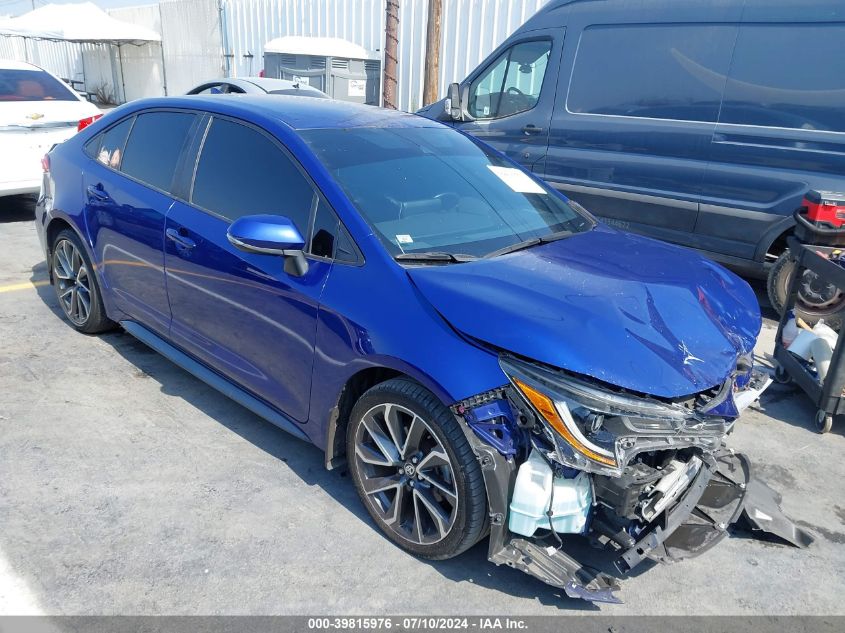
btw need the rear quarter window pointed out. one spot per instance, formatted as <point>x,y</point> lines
<point>788,75</point>
<point>154,146</point>
<point>32,85</point>
<point>672,71</point>
<point>108,147</point>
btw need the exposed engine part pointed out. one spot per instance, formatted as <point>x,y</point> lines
<point>624,494</point>
<point>678,476</point>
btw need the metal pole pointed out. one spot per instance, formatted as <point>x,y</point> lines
<point>391,53</point>
<point>432,51</point>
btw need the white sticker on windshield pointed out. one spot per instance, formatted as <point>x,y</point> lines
<point>516,179</point>
<point>404,239</point>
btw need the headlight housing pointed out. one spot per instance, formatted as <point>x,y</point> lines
<point>597,430</point>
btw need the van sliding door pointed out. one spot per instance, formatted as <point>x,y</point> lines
<point>634,119</point>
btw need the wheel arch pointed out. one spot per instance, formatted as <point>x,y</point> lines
<point>773,241</point>
<point>352,390</point>
<point>54,227</point>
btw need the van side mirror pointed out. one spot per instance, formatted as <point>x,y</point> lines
<point>270,235</point>
<point>455,105</point>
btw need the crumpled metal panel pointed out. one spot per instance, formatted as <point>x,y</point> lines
<point>624,309</point>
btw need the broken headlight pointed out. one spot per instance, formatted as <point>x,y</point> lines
<point>597,430</point>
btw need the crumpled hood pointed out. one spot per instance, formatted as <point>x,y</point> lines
<point>625,309</point>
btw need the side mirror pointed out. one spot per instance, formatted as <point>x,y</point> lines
<point>453,103</point>
<point>270,235</point>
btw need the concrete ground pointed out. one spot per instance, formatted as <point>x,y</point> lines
<point>129,487</point>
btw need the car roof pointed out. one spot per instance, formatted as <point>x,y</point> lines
<point>299,113</point>
<point>8,64</point>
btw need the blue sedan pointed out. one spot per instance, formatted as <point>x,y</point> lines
<point>480,353</point>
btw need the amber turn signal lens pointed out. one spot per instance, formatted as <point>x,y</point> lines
<point>545,407</point>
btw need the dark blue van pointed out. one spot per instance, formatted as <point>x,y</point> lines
<point>699,123</point>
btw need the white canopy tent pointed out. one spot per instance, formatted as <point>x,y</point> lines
<point>82,23</point>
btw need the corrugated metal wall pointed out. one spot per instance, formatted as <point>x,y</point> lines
<point>201,42</point>
<point>471,29</point>
<point>191,36</point>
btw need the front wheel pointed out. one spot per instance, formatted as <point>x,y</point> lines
<point>415,470</point>
<point>816,300</point>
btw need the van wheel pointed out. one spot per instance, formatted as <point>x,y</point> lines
<point>415,471</point>
<point>76,284</point>
<point>816,300</point>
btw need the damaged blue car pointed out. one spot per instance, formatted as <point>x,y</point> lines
<point>481,354</point>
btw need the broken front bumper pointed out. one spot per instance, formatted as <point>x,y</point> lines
<point>722,494</point>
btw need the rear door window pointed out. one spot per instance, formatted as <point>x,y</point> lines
<point>242,172</point>
<point>154,146</point>
<point>512,83</point>
<point>653,71</point>
<point>32,85</point>
<point>788,75</point>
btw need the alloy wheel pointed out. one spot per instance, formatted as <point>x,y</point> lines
<point>73,282</point>
<point>406,474</point>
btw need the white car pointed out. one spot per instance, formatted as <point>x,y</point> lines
<point>37,110</point>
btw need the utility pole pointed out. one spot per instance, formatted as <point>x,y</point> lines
<point>391,53</point>
<point>432,51</point>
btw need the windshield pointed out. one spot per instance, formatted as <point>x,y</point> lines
<point>433,189</point>
<point>32,85</point>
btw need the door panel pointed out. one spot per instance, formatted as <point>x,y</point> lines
<point>780,133</point>
<point>240,313</point>
<point>126,223</point>
<point>634,119</point>
<point>512,97</point>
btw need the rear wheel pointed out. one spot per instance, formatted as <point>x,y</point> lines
<point>816,300</point>
<point>76,286</point>
<point>415,470</point>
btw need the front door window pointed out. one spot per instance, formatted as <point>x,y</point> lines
<point>512,83</point>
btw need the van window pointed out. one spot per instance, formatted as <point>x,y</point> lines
<point>154,146</point>
<point>788,75</point>
<point>512,83</point>
<point>652,71</point>
<point>242,172</point>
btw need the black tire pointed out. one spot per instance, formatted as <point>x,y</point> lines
<point>92,319</point>
<point>806,307</point>
<point>470,511</point>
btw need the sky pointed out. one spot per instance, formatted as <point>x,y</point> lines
<point>18,7</point>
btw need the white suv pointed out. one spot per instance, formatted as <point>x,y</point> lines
<point>37,110</point>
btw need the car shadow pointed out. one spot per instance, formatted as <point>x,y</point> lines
<point>19,208</point>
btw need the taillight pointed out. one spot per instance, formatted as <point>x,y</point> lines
<point>83,123</point>
<point>261,73</point>
<point>45,163</point>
